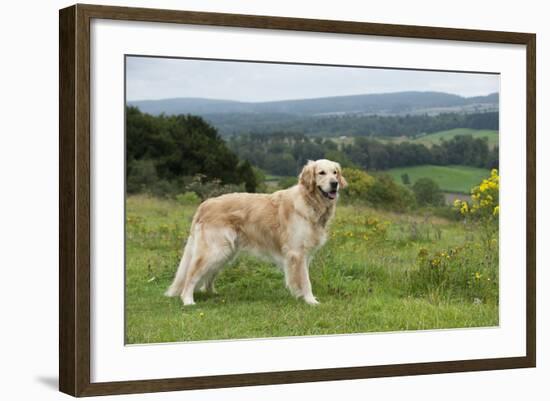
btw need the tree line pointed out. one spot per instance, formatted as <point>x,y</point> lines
<point>350,124</point>
<point>460,150</point>
<point>284,154</point>
<point>174,154</point>
<point>164,153</point>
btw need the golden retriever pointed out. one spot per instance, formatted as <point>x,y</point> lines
<point>287,225</point>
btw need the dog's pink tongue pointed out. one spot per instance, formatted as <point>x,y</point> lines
<point>332,195</point>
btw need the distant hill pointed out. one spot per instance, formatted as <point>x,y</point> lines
<point>384,103</point>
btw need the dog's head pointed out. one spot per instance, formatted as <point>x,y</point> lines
<point>324,177</point>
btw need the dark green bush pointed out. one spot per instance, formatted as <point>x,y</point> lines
<point>385,193</point>
<point>427,192</point>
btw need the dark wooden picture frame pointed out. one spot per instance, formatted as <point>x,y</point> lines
<point>74,200</point>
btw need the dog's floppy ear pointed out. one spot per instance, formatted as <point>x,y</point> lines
<point>341,180</point>
<point>307,176</point>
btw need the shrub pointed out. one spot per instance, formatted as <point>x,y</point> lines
<point>380,191</point>
<point>248,175</point>
<point>385,193</point>
<point>142,174</point>
<point>484,207</point>
<point>359,183</point>
<point>188,198</point>
<point>484,197</point>
<point>427,192</point>
<point>163,188</point>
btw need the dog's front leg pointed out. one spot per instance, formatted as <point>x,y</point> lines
<point>297,277</point>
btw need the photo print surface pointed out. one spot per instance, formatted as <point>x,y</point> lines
<point>376,192</point>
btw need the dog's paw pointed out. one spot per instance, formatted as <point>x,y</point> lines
<point>311,300</point>
<point>187,302</point>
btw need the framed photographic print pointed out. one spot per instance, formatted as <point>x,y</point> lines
<point>250,200</point>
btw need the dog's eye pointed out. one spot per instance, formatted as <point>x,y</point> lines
<point>322,172</point>
<point>334,172</point>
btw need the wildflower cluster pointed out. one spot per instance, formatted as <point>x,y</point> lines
<point>377,227</point>
<point>455,270</point>
<point>369,228</point>
<point>485,202</point>
<point>439,259</point>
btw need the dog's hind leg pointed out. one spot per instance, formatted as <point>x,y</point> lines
<point>213,248</point>
<point>207,282</point>
<point>176,287</point>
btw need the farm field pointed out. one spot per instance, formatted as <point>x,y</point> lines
<point>431,139</point>
<point>437,137</point>
<point>457,179</point>
<point>378,272</point>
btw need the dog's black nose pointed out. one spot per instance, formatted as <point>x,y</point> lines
<point>334,184</point>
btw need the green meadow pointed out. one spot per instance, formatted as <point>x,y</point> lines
<point>437,137</point>
<point>379,271</point>
<point>459,179</point>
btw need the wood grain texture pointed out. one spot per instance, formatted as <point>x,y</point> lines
<point>301,376</point>
<point>67,131</point>
<point>301,24</point>
<point>531,271</point>
<point>74,199</point>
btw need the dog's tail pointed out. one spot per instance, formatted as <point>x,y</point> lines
<point>176,287</point>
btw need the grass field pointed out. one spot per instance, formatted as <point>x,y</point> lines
<point>459,179</point>
<point>378,272</point>
<point>437,137</point>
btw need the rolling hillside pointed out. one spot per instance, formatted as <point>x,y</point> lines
<point>458,179</point>
<point>431,139</point>
<point>437,137</point>
<point>385,103</point>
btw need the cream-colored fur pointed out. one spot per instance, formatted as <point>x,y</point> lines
<point>288,226</point>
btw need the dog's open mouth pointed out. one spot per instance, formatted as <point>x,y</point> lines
<point>330,195</point>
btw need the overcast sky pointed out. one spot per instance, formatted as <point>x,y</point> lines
<point>160,78</point>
